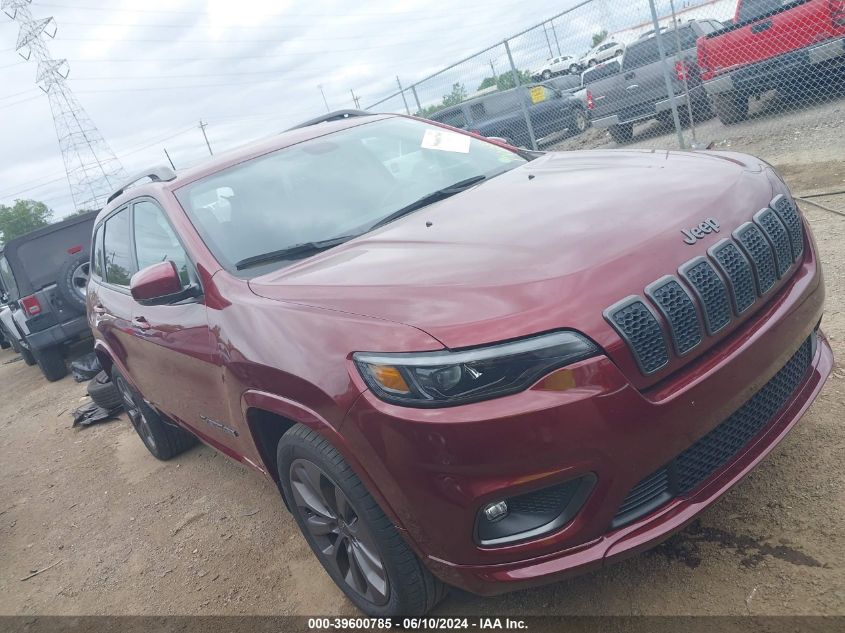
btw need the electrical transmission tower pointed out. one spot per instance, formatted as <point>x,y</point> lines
<point>93,170</point>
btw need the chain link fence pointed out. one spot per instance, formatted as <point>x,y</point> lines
<point>677,73</point>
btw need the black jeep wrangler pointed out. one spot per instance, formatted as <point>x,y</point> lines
<point>45,274</point>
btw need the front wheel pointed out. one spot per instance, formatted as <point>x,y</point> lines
<point>591,63</point>
<point>547,74</point>
<point>352,538</point>
<point>573,70</point>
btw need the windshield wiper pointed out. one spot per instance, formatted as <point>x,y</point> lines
<point>431,198</point>
<point>297,251</point>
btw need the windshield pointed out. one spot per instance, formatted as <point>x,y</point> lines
<point>336,185</point>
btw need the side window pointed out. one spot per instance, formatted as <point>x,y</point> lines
<point>97,252</point>
<point>155,240</point>
<point>641,54</point>
<point>455,118</point>
<point>477,110</point>
<point>116,249</point>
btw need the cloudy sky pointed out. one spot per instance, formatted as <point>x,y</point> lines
<point>147,71</point>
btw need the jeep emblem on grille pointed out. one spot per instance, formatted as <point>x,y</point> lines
<point>691,236</point>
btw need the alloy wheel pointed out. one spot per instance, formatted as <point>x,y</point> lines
<point>346,545</point>
<point>136,416</point>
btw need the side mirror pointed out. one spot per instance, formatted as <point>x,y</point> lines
<point>159,284</point>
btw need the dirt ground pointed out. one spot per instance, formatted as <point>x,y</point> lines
<point>203,535</point>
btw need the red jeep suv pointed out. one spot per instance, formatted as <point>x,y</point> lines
<point>462,363</point>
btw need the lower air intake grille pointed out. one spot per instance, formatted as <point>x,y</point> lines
<point>758,249</point>
<point>638,326</point>
<point>789,215</point>
<point>711,291</point>
<point>776,232</point>
<point>701,460</point>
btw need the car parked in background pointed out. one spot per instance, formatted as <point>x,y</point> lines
<point>561,65</point>
<point>592,76</point>
<point>793,46</point>
<point>638,93</point>
<point>492,369</point>
<point>602,52</point>
<point>500,114</point>
<point>45,273</point>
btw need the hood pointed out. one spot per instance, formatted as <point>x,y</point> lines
<point>548,245</point>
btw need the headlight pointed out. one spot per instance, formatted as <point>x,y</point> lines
<point>446,378</point>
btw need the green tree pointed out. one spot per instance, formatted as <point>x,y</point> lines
<point>505,80</point>
<point>458,94</point>
<point>22,217</point>
<point>599,37</point>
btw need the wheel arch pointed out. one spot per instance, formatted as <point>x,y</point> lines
<point>269,417</point>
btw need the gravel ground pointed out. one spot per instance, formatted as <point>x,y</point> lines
<point>203,535</point>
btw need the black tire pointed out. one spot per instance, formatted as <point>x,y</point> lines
<point>579,124</point>
<point>72,281</point>
<point>731,107</point>
<point>573,70</point>
<point>27,356</point>
<point>411,590</point>
<point>546,74</point>
<point>104,393</point>
<point>163,440</point>
<point>51,362</point>
<point>4,344</point>
<point>622,133</point>
<point>591,63</point>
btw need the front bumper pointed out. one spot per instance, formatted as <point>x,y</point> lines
<point>438,467</point>
<point>780,70</point>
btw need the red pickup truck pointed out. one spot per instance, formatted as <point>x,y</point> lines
<point>772,44</point>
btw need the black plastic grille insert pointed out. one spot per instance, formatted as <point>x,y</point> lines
<point>679,311</point>
<point>789,216</point>
<point>738,271</point>
<point>776,232</point>
<point>721,445</point>
<point>752,240</point>
<point>636,324</point>
<point>711,292</point>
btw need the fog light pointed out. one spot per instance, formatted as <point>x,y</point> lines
<point>495,511</point>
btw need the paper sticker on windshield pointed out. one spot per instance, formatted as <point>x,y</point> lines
<point>445,141</point>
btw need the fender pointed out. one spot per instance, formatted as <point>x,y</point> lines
<point>298,413</point>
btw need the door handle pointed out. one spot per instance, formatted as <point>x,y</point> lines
<point>99,310</point>
<point>632,87</point>
<point>140,323</point>
<point>761,26</point>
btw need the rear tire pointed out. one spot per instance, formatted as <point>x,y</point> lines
<point>731,107</point>
<point>27,356</point>
<point>51,361</point>
<point>547,74</point>
<point>580,123</point>
<point>352,538</point>
<point>622,133</point>
<point>163,440</point>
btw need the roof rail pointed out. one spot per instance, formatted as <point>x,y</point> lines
<point>337,115</point>
<point>161,173</point>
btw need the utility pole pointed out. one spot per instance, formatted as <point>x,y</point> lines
<point>554,31</point>
<point>493,70</point>
<point>402,92</point>
<point>355,99</point>
<point>548,43</point>
<point>205,136</point>
<point>328,109</point>
<point>92,168</point>
<point>169,160</point>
